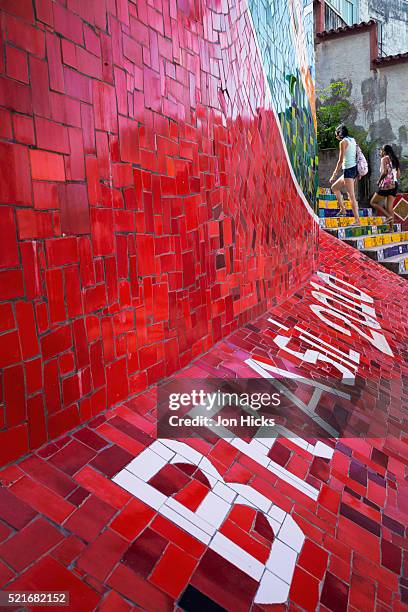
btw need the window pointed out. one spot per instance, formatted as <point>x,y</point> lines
<point>349,15</point>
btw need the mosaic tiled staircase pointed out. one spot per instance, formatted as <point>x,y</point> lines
<point>375,238</point>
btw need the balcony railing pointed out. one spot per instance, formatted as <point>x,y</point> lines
<point>382,51</point>
<point>332,19</point>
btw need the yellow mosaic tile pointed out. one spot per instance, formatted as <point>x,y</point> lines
<point>385,239</point>
<point>332,205</point>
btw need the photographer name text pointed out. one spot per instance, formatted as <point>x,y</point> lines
<point>219,421</point>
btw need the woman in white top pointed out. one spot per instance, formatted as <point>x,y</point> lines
<point>348,163</point>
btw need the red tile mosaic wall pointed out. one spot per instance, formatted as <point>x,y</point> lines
<point>147,206</point>
<point>66,524</point>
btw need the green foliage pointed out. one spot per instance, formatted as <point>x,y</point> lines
<point>328,118</point>
<point>334,107</point>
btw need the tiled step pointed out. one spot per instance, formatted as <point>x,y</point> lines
<point>389,238</point>
<point>327,197</point>
<point>347,221</point>
<point>381,253</point>
<point>354,232</point>
<point>330,213</point>
<point>381,239</point>
<point>374,237</point>
<point>331,204</point>
<point>398,264</point>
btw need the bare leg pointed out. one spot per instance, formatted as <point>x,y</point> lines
<point>336,189</point>
<point>390,209</point>
<point>375,203</point>
<point>354,204</point>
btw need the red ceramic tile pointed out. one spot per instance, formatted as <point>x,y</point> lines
<point>5,531</point>
<point>364,566</point>
<point>69,549</point>
<point>78,496</point>
<point>27,329</point>
<point>257,550</point>
<point>10,349</point>
<point>45,473</point>
<point>118,386</point>
<point>15,171</point>
<point>313,559</point>
<point>339,568</point>
<point>14,395</point>
<point>173,571</point>
<point>88,520</point>
<point>72,457</point>
<point>169,480</point>
<point>36,420</point>
<point>262,528</point>
<point>134,517</point>
<point>74,209</point>
<point>47,166</point>
<point>244,516</point>
<point>90,438</point>
<point>6,317</point>
<point>8,248</point>
<point>42,499</point>
<point>137,590</point>
<point>111,460</point>
<point>362,592</point>
<point>102,555</point>
<point>25,36</point>
<point>143,554</point>
<point>223,582</point>
<point>130,430</point>
<point>15,511</point>
<point>121,439</point>
<point>29,544</point>
<point>49,575</point>
<point>348,532</point>
<point>13,443</point>
<point>179,537</point>
<point>334,593</point>
<point>114,602</point>
<point>105,489</point>
<point>304,590</point>
<point>391,556</point>
<point>6,574</point>
<point>192,494</point>
<point>6,130</point>
<point>56,342</point>
<point>17,64</point>
<point>11,284</point>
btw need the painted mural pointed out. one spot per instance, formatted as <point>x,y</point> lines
<point>284,32</point>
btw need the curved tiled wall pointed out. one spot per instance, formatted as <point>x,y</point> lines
<point>148,205</point>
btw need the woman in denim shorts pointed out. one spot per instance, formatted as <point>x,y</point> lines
<point>348,163</point>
